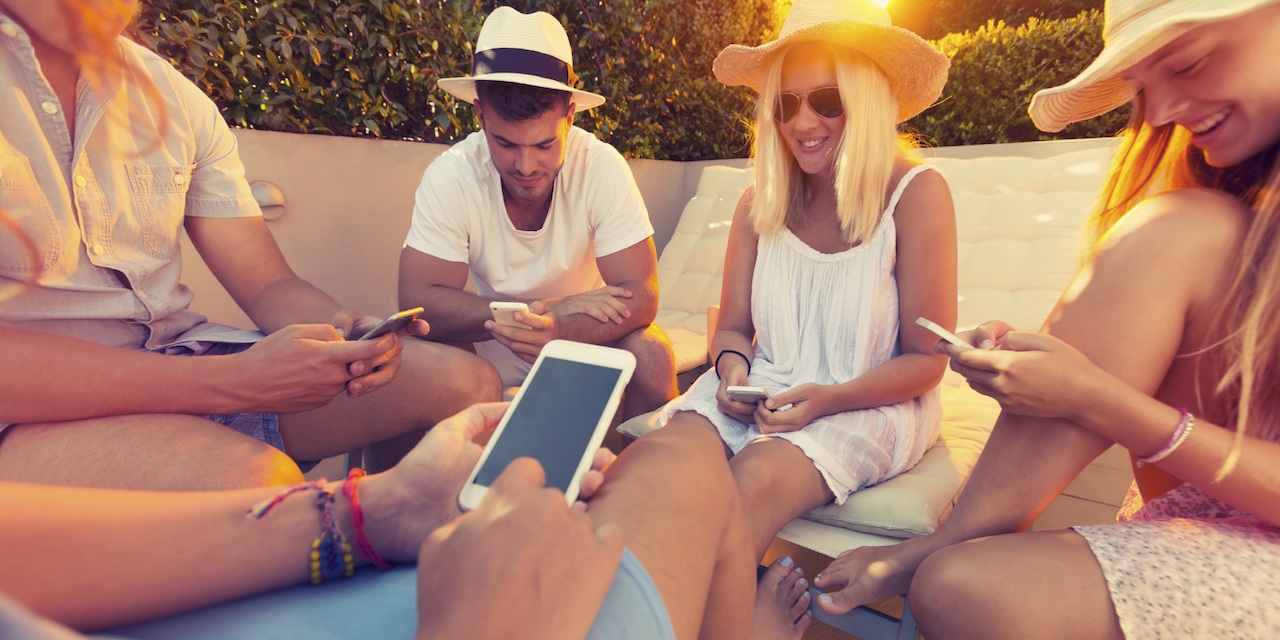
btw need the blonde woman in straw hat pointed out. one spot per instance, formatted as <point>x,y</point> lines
<point>844,240</point>
<point>1166,344</point>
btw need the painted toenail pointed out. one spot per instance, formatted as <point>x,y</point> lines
<point>786,561</point>
<point>803,582</point>
<point>825,598</point>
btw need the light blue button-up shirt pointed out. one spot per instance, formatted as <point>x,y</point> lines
<point>106,206</point>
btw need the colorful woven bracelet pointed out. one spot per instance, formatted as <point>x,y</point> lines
<point>351,489</point>
<point>330,555</point>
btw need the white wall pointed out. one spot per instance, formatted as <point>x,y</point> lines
<point>348,202</point>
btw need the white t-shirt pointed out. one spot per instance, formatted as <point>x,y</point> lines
<point>596,210</point>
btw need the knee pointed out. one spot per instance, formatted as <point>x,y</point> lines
<point>652,349</point>
<point>946,583</point>
<point>457,375</point>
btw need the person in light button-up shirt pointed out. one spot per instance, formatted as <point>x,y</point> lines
<point>106,153</point>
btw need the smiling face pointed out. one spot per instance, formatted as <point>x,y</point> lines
<point>1220,82</point>
<point>528,153</point>
<point>813,139</point>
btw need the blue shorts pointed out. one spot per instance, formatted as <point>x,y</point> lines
<point>376,604</point>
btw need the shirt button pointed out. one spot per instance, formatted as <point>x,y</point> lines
<point>49,106</point>
<point>97,250</point>
<point>8,30</point>
<point>81,181</point>
<point>179,179</point>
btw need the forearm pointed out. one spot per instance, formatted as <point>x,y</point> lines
<point>50,378</point>
<point>642,307</point>
<point>94,558</point>
<point>898,380</point>
<point>454,315</point>
<point>290,300</point>
<point>1145,425</point>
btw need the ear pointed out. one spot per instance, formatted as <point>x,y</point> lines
<point>475,104</point>
<point>573,108</point>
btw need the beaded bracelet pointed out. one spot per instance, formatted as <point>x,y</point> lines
<point>716,366</point>
<point>330,555</point>
<point>351,489</point>
<point>1185,423</point>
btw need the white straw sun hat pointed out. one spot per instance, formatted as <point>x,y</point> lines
<point>916,71</point>
<point>1132,30</point>
<point>523,48</point>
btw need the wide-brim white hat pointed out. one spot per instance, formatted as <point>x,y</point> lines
<point>523,48</point>
<point>1132,30</point>
<point>916,71</point>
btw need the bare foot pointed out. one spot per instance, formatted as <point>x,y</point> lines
<point>782,602</point>
<point>869,574</point>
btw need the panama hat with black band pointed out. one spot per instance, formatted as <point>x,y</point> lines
<point>522,48</point>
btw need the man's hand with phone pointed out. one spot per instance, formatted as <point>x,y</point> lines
<point>373,373</point>
<point>528,331</point>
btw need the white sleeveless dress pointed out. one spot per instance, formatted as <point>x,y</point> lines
<point>827,319</point>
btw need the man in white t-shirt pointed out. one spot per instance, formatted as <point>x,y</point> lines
<point>535,210</point>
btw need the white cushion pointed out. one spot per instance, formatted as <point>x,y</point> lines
<point>692,262</point>
<point>915,502</point>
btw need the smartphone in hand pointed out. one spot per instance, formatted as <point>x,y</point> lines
<point>749,395</point>
<point>393,323</point>
<point>504,313</point>
<point>943,333</point>
<point>559,417</point>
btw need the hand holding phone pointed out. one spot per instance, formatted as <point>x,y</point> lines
<point>392,323</point>
<point>504,313</point>
<point>559,417</point>
<point>943,333</point>
<point>749,395</point>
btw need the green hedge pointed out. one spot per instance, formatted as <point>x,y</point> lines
<point>368,68</point>
<point>996,69</point>
<point>934,19</point>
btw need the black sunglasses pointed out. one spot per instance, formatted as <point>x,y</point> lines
<point>824,102</point>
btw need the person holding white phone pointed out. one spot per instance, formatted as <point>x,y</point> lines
<point>535,211</point>
<point>1165,344</point>
<point>109,155</point>
<point>644,558</point>
<point>844,240</point>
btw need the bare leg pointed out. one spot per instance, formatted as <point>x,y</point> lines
<point>146,452</point>
<point>434,382</point>
<point>1035,585</point>
<point>654,382</point>
<point>1026,463</point>
<point>777,482</point>
<point>673,496</point>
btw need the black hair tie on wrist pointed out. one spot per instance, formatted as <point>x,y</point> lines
<point>716,366</point>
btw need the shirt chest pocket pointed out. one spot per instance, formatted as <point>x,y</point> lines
<point>160,195</point>
<point>23,202</point>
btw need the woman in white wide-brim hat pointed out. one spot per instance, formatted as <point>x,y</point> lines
<point>1167,344</point>
<point>844,240</point>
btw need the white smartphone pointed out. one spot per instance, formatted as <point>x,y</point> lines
<point>943,333</point>
<point>559,417</point>
<point>393,323</point>
<point>749,395</point>
<point>504,313</point>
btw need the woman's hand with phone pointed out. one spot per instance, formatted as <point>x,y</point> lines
<point>733,373</point>
<point>792,409</point>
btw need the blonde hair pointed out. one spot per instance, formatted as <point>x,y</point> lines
<point>1246,360</point>
<point>865,155</point>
